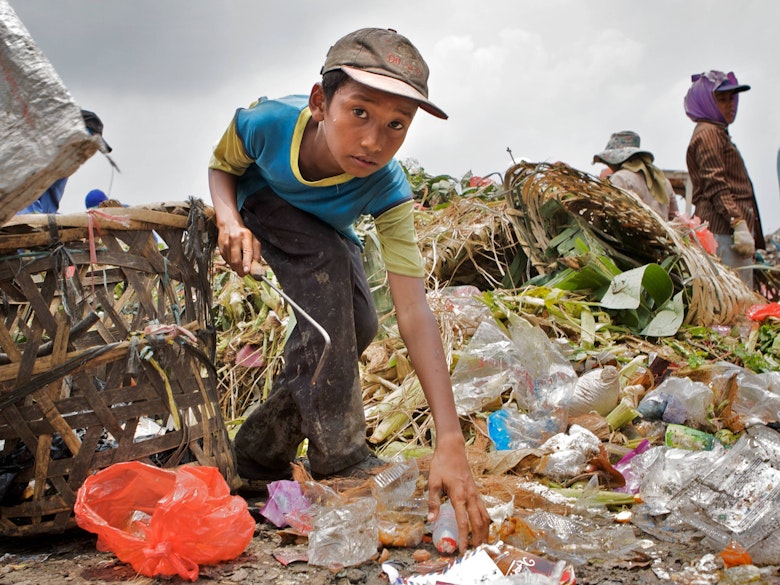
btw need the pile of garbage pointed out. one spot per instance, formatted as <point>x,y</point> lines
<point>584,427</point>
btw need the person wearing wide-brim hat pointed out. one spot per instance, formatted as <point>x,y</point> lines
<point>634,171</point>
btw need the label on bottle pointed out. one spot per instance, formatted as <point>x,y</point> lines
<point>513,561</point>
<point>683,437</point>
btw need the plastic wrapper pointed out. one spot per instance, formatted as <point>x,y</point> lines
<point>285,499</point>
<point>344,535</point>
<point>758,395</point>
<point>700,231</point>
<point>625,467</point>
<point>521,360</point>
<point>735,554</point>
<point>567,455</point>
<point>498,563</point>
<point>762,311</point>
<point>164,521</point>
<point>683,437</point>
<point>679,401</point>
<point>487,367</point>
<point>464,304</point>
<point>579,541</point>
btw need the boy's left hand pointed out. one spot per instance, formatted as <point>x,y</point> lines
<point>450,473</point>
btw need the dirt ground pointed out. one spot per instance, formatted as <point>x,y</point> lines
<point>73,558</point>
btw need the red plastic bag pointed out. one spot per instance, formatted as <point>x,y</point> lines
<point>761,312</point>
<point>164,521</point>
<point>700,231</point>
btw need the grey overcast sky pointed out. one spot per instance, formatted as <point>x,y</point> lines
<point>548,79</point>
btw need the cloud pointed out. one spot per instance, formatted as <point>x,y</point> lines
<point>550,80</point>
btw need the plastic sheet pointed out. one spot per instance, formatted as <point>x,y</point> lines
<point>521,360</point>
<point>739,498</point>
<point>42,134</point>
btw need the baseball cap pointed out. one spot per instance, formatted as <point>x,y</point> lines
<point>94,198</point>
<point>726,81</point>
<point>384,60</point>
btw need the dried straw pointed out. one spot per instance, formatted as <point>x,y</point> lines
<point>546,198</point>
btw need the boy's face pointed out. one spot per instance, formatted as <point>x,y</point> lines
<point>363,127</point>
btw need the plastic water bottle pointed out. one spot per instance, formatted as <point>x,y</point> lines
<point>445,530</point>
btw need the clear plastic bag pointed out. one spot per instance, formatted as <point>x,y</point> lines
<point>164,521</point>
<point>344,535</point>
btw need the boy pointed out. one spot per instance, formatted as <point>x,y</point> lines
<point>293,175</point>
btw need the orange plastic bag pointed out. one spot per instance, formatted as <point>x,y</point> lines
<point>164,521</point>
<point>734,555</point>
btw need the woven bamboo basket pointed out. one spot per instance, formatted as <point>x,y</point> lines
<point>107,354</point>
<point>543,199</point>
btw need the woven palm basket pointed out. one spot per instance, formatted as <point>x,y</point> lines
<point>106,354</point>
<point>544,199</point>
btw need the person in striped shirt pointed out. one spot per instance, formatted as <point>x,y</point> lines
<point>722,190</point>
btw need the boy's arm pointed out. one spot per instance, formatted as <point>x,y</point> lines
<point>449,471</point>
<point>236,243</point>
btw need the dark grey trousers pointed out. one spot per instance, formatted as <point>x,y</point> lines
<point>323,272</point>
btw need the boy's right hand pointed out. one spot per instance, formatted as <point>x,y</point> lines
<point>237,244</point>
<point>238,247</point>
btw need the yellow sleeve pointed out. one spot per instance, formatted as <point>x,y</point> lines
<point>398,241</point>
<point>229,154</point>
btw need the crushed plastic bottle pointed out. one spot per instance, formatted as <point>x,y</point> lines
<point>510,428</point>
<point>401,512</point>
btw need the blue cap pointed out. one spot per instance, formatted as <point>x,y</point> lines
<point>94,198</point>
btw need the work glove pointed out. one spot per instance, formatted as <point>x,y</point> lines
<point>744,244</point>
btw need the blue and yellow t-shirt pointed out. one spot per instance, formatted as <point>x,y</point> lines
<point>262,147</point>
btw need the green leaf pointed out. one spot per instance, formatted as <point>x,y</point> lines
<point>658,284</point>
<point>588,323</point>
<point>564,235</point>
<point>668,319</point>
<point>625,291</point>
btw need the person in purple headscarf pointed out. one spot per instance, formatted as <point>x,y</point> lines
<point>722,190</point>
